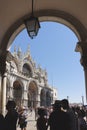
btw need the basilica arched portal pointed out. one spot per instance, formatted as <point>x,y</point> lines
<point>32,95</point>
<point>17,92</point>
<point>43,97</point>
<point>48,98</point>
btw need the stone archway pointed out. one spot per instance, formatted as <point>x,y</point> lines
<point>43,98</point>
<point>55,16</point>
<point>32,95</point>
<point>48,98</point>
<point>48,15</point>
<point>17,92</point>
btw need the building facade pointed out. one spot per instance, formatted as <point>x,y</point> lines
<point>27,83</point>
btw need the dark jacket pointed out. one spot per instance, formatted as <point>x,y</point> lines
<point>11,120</point>
<point>59,120</point>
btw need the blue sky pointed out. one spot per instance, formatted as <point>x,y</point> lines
<point>54,50</point>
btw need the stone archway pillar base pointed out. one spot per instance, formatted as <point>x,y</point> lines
<point>3,80</point>
<point>4,93</point>
<point>85,72</point>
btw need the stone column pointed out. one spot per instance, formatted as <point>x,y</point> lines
<point>25,98</point>
<point>38,98</point>
<point>11,91</point>
<point>4,79</point>
<point>4,56</point>
<point>82,48</point>
<point>0,93</point>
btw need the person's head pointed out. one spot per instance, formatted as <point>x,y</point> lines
<point>81,114</point>
<point>10,105</point>
<point>21,109</point>
<point>65,104</point>
<point>41,111</point>
<point>57,105</point>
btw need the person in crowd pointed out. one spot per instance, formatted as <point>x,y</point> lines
<point>81,120</point>
<point>1,122</point>
<point>22,118</point>
<point>58,119</point>
<point>71,113</point>
<point>36,113</point>
<point>12,116</point>
<point>31,110</point>
<point>41,120</point>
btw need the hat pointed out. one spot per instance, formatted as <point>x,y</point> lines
<point>57,104</point>
<point>10,104</point>
<point>65,103</point>
<point>41,111</point>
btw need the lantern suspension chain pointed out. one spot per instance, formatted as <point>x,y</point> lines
<point>32,7</point>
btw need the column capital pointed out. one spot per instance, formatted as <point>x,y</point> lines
<point>82,47</point>
<point>4,56</point>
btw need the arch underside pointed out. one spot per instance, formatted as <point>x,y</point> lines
<point>45,15</point>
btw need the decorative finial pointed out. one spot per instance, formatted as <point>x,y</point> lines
<point>28,49</point>
<point>19,52</point>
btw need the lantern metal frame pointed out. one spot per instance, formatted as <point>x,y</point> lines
<point>32,25</point>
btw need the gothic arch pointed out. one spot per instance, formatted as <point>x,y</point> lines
<point>46,15</point>
<point>32,94</point>
<point>43,97</point>
<point>26,69</point>
<point>17,92</point>
<point>48,98</point>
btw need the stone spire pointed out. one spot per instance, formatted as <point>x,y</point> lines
<point>28,50</point>
<point>27,54</point>
<point>15,51</point>
<point>19,52</point>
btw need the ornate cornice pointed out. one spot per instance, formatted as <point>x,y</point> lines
<point>4,56</point>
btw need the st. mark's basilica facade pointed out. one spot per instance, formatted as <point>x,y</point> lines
<point>27,82</point>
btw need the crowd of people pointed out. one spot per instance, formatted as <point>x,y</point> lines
<point>59,116</point>
<point>62,117</point>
